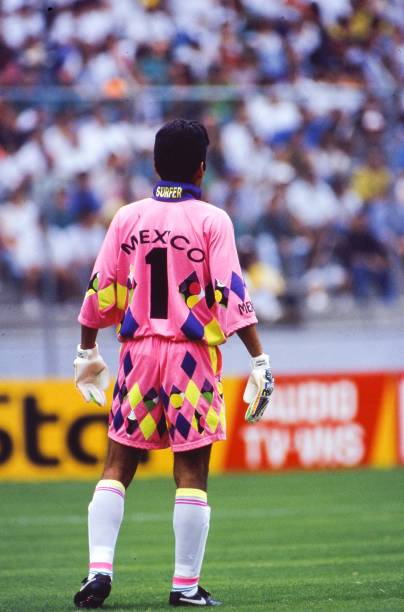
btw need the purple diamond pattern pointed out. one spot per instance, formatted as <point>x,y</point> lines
<point>188,364</point>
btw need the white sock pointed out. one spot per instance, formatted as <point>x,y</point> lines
<point>105,514</point>
<point>191,527</point>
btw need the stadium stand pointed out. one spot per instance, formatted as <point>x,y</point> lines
<point>305,108</point>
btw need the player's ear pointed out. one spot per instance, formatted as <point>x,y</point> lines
<point>201,169</point>
<point>199,173</point>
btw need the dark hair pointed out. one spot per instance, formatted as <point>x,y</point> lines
<point>179,149</point>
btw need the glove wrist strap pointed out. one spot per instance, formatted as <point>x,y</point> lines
<point>260,362</point>
<point>87,353</point>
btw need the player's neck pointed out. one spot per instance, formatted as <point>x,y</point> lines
<point>176,191</point>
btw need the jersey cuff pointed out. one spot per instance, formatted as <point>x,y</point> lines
<point>240,324</point>
<point>88,323</point>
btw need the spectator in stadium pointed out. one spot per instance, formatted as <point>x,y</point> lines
<point>82,199</point>
<point>59,249</point>
<point>366,260</point>
<point>266,285</point>
<point>237,140</point>
<point>278,227</point>
<point>371,180</point>
<point>22,243</point>
<point>311,201</point>
<point>57,211</point>
<point>85,238</point>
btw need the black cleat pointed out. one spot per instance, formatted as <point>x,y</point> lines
<point>201,598</point>
<point>93,592</point>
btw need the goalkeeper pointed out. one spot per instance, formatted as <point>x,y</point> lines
<point>168,276</point>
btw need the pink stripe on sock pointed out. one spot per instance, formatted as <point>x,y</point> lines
<point>100,565</point>
<point>200,499</point>
<point>180,581</point>
<point>191,499</point>
<point>117,491</point>
<point>190,503</point>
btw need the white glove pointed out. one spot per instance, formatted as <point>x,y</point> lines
<point>91,375</point>
<point>259,388</point>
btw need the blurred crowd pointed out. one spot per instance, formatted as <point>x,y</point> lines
<point>304,104</point>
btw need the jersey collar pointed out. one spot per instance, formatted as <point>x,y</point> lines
<point>168,191</point>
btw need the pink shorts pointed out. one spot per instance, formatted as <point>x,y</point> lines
<point>168,394</point>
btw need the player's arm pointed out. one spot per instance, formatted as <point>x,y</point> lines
<point>88,337</point>
<point>237,314</point>
<point>99,310</point>
<point>250,339</point>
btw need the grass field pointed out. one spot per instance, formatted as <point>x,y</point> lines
<point>299,541</point>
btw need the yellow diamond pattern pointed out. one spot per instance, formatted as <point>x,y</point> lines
<point>148,426</point>
<point>212,420</point>
<point>192,393</point>
<point>213,333</point>
<point>135,396</point>
<point>106,297</point>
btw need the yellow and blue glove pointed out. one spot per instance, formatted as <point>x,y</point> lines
<point>259,387</point>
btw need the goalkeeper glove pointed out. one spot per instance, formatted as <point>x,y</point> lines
<point>91,375</point>
<point>259,388</point>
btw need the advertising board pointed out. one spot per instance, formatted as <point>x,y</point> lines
<point>324,421</point>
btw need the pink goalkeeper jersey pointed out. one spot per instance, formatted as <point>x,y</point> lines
<point>169,267</point>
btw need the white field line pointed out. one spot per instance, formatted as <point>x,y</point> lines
<point>162,517</point>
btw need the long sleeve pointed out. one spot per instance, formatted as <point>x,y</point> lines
<point>105,299</point>
<point>234,306</point>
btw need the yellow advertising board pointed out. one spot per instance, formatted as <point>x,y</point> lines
<point>47,431</point>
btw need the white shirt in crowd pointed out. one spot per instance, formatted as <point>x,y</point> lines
<point>313,204</point>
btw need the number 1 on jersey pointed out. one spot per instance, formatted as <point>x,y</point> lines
<point>157,258</point>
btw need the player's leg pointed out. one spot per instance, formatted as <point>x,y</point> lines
<point>191,468</point>
<point>105,514</point>
<point>135,400</point>
<point>121,462</point>
<point>191,526</point>
<point>195,415</point>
